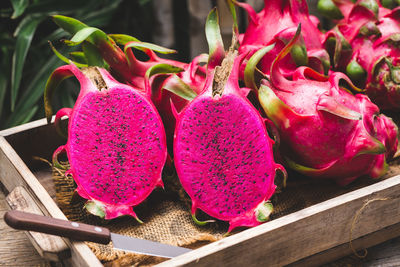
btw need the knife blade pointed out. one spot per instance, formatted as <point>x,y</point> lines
<point>85,232</point>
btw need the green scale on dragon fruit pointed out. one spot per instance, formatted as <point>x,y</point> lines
<point>325,131</point>
<point>276,24</point>
<point>365,45</point>
<point>222,151</point>
<point>116,141</point>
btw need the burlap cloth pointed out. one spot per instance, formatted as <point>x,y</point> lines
<point>167,219</point>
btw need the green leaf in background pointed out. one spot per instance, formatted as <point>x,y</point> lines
<point>3,88</point>
<point>51,7</point>
<point>24,39</point>
<point>21,118</point>
<point>144,2</point>
<point>68,97</point>
<point>232,9</point>
<point>5,57</point>
<point>65,59</point>
<point>32,94</point>
<point>19,7</point>
<point>79,57</point>
<point>92,54</point>
<point>102,16</point>
<point>56,35</point>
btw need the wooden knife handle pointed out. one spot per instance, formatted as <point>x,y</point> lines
<point>75,230</point>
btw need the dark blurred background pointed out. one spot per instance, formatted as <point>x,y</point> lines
<point>26,60</point>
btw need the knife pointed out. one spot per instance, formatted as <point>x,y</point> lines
<point>86,232</point>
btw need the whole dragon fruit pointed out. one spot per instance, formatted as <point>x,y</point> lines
<point>277,23</point>
<point>122,63</point>
<point>325,131</point>
<point>222,151</point>
<point>367,49</point>
<point>116,144</point>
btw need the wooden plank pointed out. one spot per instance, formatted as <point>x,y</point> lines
<point>39,141</point>
<point>384,255</point>
<point>359,245</point>
<point>13,173</point>
<point>15,248</point>
<point>303,233</point>
<point>322,227</point>
<point>24,127</point>
<point>50,247</point>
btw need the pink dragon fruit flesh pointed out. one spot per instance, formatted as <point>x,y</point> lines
<point>116,144</point>
<point>325,131</point>
<point>373,59</point>
<point>222,151</point>
<point>277,23</point>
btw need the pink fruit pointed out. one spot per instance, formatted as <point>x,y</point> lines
<point>161,77</point>
<point>122,63</point>
<point>367,50</point>
<point>116,141</point>
<point>277,23</point>
<point>326,132</point>
<point>222,151</point>
<point>179,88</point>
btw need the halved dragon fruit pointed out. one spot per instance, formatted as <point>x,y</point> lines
<point>326,132</point>
<point>277,23</point>
<point>222,152</point>
<point>367,50</point>
<point>116,144</point>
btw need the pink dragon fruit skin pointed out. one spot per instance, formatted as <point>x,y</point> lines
<point>189,83</point>
<point>372,33</point>
<point>123,63</point>
<point>222,151</point>
<point>267,26</point>
<point>116,144</point>
<point>325,131</point>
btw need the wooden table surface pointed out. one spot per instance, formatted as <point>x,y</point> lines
<point>16,249</point>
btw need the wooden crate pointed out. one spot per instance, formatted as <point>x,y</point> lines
<point>308,237</point>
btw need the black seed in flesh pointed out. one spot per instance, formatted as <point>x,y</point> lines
<point>224,151</point>
<point>109,133</point>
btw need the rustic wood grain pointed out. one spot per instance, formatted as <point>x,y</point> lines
<point>50,247</point>
<point>13,173</point>
<point>288,239</point>
<point>15,247</point>
<point>24,127</point>
<point>330,257</point>
<point>384,255</point>
<point>303,233</point>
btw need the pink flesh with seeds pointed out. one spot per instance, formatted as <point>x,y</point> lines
<point>110,131</point>
<point>224,156</point>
